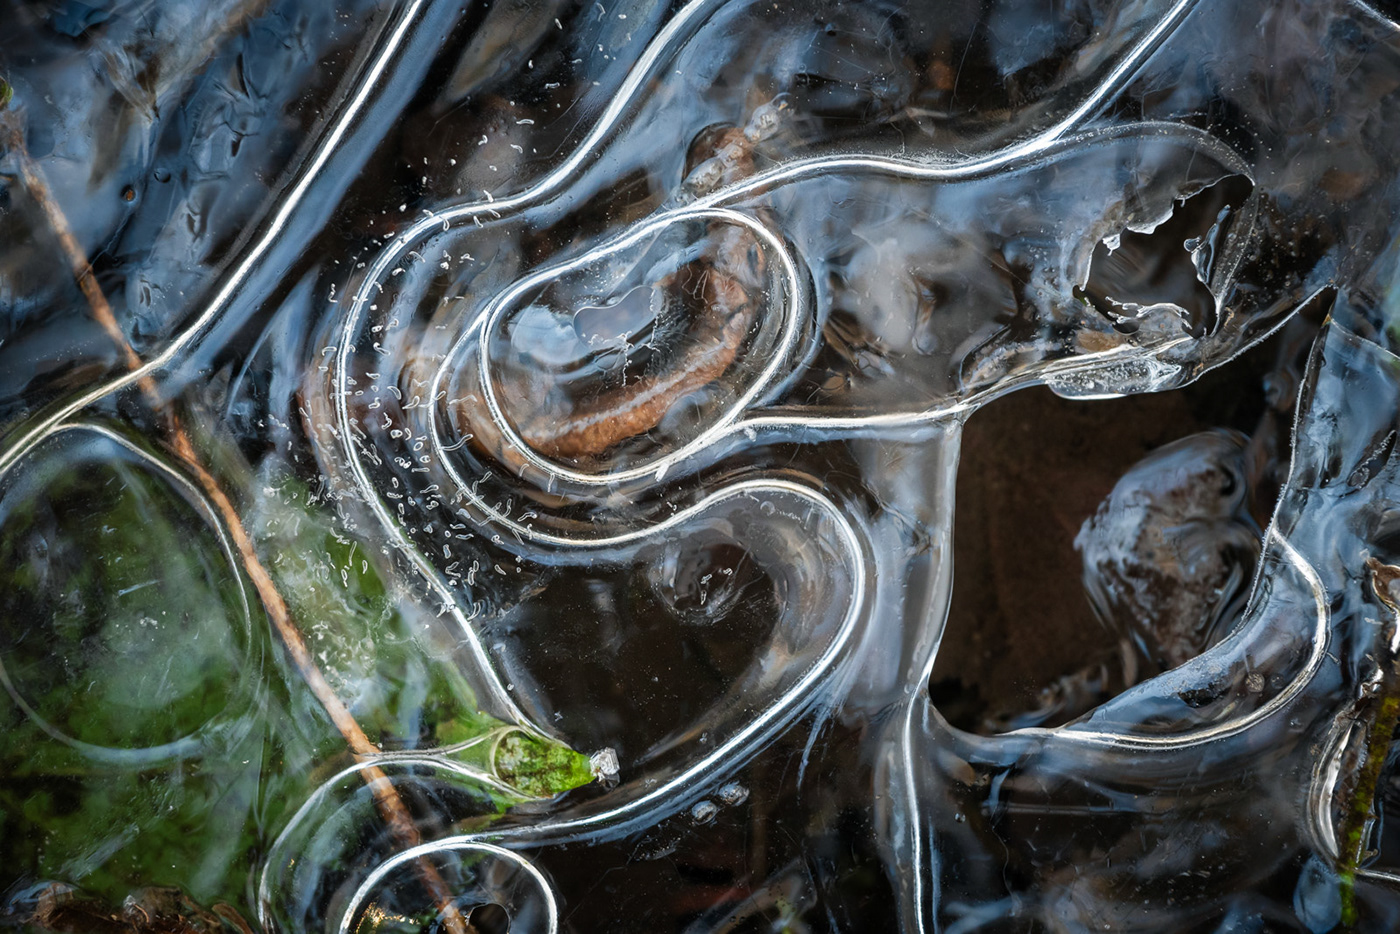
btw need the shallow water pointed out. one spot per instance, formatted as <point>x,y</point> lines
<point>510,456</point>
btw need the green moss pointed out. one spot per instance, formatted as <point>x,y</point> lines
<point>540,768</point>
<point>1360,814</point>
<point>134,636</point>
<point>398,684</point>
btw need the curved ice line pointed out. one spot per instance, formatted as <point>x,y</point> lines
<point>299,817</point>
<point>185,744</point>
<point>659,46</point>
<point>1326,773</point>
<point>1381,19</point>
<point>483,327</point>
<point>699,9</point>
<point>775,424</point>
<point>767,719</point>
<point>1325,779</point>
<point>950,169</point>
<point>824,663</point>
<point>286,206</point>
<point>427,570</point>
<point>1326,776</point>
<point>733,491</point>
<point>1128,740</point>
<point>428,849</point>
<point>693,11</point>
<point>1319,636</point>
<point>1084,362</point>
<point>1229,727</point>
<point>770,719</point>
<point>732,421</point>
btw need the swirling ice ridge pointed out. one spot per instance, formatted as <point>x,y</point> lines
<point>714,206</point>
<point>718,205</point>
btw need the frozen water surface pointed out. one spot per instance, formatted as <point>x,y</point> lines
<point>707,467</point>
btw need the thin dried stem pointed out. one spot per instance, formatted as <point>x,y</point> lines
<point>38,189</point>
<point>390,804</point>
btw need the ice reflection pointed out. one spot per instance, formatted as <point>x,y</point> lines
<point>588,423</point>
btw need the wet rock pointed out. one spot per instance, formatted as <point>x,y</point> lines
<point>1168,556</point>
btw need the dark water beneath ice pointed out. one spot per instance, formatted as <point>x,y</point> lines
<point>709,467</point>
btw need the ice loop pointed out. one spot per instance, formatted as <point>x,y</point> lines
<point>591,475</point>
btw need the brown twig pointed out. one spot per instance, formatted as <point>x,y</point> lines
<point>722,324</point>
<point>38,189</point>
<point>588,431</point>
<point>387,799</point>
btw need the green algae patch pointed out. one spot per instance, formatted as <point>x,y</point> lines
<point>539,768</point>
